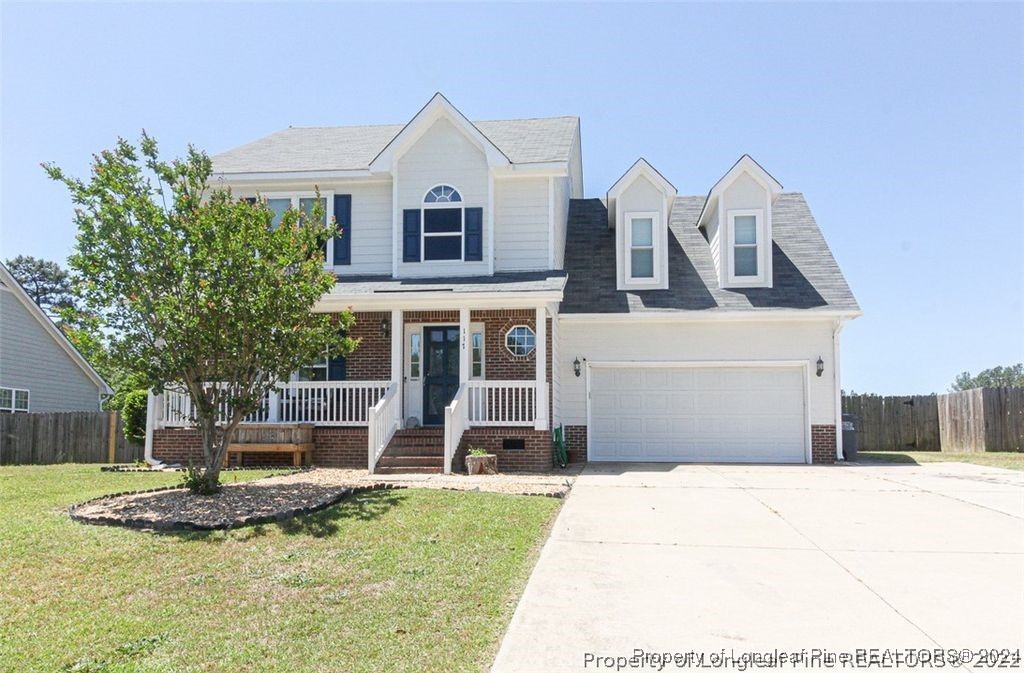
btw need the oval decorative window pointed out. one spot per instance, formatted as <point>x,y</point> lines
<point>443,194</point>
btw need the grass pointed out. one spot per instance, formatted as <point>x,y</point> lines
<point>1010,461</point>
<point>403,580</point>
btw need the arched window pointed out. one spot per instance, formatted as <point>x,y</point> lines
<point>443,194</point>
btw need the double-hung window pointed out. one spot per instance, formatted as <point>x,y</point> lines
<point>745,232</point>
<point>442,229</point>
<point>641,256</point>
<point>14,400</point>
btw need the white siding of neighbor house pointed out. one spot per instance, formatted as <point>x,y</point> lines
<point>30,358</point>
<point>443,155</point>
<point>521,226</point>
<point>641,195</point>
<point>561,213</point>
<point>642,340</point>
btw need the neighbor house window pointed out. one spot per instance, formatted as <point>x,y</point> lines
<point>478,355</point>
<point>13,400</point>
<point>745,228</point>
<point>520,340</point>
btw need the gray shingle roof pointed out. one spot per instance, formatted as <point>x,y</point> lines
<point>806,275</point>
<point>332,148</point>
<point>526,281</point>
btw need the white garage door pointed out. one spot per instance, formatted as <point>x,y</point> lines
<point>699,414</point>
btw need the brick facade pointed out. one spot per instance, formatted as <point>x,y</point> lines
<point>534,457</point>
<point>576,443</point>
<point>823,444</point>
<point>371,360</point>
<point>333,447</point>
<point>340,447</point>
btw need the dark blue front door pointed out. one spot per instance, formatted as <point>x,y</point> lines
<point>441,372</point>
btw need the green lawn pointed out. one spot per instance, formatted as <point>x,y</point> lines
<point>403,580</point>
<point>1010,461</point>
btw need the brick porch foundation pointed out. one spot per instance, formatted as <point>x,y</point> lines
<point>334,447</point>
<point>535,456</point>
<point>576,443</point>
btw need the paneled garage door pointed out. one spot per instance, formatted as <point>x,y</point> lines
<point>749,414</point>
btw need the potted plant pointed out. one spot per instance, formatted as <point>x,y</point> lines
<point>478,461</point>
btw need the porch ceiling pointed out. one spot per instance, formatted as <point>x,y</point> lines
<point>500,290</point>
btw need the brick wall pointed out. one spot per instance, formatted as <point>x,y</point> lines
<point>333,447</point>
<point>823,443</point>
<point>535,457</point>
<point>576,443</point>
<point>371,360</point>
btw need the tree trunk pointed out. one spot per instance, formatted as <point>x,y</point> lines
<point>213,455</point>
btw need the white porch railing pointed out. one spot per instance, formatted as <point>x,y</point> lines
<point>456,420</point>
<point>383,420</point>
<point>339,403</point>
<point>501,402</point>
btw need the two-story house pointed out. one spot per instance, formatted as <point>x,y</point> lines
<point>495,302</point>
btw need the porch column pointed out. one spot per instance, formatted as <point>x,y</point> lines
<point>541,420</point>
<point>397,346</point>
<point>463,345</point>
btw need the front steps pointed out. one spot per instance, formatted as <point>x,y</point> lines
<point>412,451</point>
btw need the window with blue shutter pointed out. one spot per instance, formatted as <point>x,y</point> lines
<point>411,235</point>
<point>474,234</point>
<point>343,218</point>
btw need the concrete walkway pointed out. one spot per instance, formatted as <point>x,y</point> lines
<point>674,558</point>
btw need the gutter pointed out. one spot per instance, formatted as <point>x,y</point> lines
<point>838,388</point>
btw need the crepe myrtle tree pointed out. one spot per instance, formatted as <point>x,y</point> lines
<point>198,289</point>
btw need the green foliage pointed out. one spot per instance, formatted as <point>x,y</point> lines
<point>197,480</point>
<point>46,282</point>
<point>477,451</point>
<point>996,377</point>
<point>194,287</point>
<point>133,412</point>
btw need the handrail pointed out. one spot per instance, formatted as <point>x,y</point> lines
<point>502,402</point>
<point>337,403</point>
<point>382,419</point>
<point>456,420</point>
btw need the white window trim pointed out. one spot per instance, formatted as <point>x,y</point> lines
<point>424,206</point>
<point>521,355</point>
<point>13,409</point>
<point>328,198</point>
<point>760,231</point>
<point>656,251</point>
<point>475,329</point>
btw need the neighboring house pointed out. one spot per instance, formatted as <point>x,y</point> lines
<point>494,302</point>
<point>39,368</point>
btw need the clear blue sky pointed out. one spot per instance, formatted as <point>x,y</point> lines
<point>902,124</point>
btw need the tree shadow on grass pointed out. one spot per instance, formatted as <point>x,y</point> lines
<point>365,506</point>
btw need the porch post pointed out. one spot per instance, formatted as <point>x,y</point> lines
<point>541,418</point>
<point>463,345</point>
<point>397,373</point>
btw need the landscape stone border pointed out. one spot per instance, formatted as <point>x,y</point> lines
<point>188,526</point>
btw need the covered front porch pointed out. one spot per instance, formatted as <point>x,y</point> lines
<point>428,380</point>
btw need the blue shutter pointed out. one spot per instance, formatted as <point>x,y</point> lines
<point>474,234</point>
<point>411,235</point>
<point>343,217</point>
<point>337,365</point>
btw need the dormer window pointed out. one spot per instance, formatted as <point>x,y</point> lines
<point>442,229</point>
<point>640,262</point>
<point>746,232</point>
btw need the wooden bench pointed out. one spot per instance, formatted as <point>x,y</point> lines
<point>302,454</point>
<point>293,438</point>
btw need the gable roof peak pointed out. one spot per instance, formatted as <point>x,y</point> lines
<point>642,167</point>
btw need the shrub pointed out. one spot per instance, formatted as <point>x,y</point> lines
<point>133,411</point>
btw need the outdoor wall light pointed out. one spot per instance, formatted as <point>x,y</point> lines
<point>821,366</point>
<point>385,327</point>
<point>576,367</point>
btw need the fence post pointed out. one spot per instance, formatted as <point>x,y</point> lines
<point>112,437</point>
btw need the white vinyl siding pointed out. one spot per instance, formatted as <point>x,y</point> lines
<point>371,228</point>
<point>656,341</point>
<point>443,154</point>
<point>642,199</point>
<point>561,214</point>
<point>30,359</point>
<point>521,224</point>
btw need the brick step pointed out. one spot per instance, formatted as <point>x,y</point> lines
<point>416,441</point>
<point>411,461</point>
<point>414,450</point>
<point>409,470</point>
<point>420,432</point>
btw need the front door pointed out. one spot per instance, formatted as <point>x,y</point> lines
<point>440,372</point>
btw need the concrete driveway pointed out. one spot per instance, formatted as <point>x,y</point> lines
<point>679,558</point>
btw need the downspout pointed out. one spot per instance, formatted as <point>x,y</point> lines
<point>150,423</point>
<point>838,388</point>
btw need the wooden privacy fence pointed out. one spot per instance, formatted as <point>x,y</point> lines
<point>982,419</point>
<point>75,437</point>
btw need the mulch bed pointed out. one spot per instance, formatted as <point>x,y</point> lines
<point>267,500</point>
